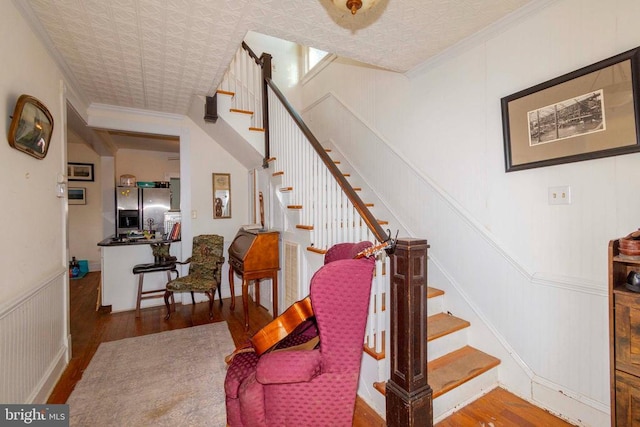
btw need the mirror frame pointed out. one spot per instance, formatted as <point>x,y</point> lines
<point>221,190</point>
<point>31,127</point>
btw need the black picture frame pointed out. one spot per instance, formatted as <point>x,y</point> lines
<point>31,127</point>
<point>590,113</point>
<point>80,171</point>
<point>77,195</point>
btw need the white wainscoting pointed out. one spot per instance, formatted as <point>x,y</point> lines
<point>553,329</point>
<point>34,346</point>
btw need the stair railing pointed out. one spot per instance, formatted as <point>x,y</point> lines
<point>329,206</point>
<point>333,211</point>
<point>245,80</point>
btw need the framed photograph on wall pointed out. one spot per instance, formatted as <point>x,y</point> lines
<point>586,114</point>
<point>80,171</point>
<point>77,195</point>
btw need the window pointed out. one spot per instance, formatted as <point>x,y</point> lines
<point>314,56</point>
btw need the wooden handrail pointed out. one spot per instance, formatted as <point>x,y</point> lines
<point>365,213</point>
<point>251,53</point>
<point>264,62</point>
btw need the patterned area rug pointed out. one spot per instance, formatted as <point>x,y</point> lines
<point>173,378</point>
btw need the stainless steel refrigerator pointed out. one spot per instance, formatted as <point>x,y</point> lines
<point>141,208</point>
<point>155,202</point>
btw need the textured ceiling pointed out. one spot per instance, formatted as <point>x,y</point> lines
<point>156,54</point>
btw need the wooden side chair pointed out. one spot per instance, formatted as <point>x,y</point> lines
<point>205,268</point>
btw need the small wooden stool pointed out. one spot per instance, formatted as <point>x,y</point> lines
<point>141,269</point>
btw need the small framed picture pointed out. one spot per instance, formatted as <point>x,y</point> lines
<point>31,127</point>
<point>221,195</point>
<point>80,171</point>
<point>77,196</point>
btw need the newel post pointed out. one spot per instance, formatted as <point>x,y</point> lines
<point>408,395</point>
<point>265,59</point>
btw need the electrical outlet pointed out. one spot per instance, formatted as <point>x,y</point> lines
<point>560,195</point>
<point>194,214</point>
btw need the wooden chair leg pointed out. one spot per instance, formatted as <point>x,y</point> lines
<point>139,299</point>
<point>170,308</point>
<point>211,294</point>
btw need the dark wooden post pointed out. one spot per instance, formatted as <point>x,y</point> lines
<point>408,395</point>
<point>265,59</point>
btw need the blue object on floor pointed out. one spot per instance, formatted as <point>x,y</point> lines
<point>84,269</point>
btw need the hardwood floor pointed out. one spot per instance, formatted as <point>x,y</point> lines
<point>89,328</point>
<point>499,408</point>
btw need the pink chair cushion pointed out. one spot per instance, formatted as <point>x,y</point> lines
<point>282,367</point>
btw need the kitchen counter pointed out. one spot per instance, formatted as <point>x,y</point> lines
<point>118,241</point>
<point>119,286</point>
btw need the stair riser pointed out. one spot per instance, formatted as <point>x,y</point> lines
<point>446,344</point>
<point>461,396</point>
<point>435,305</point>
<point>240,122</point>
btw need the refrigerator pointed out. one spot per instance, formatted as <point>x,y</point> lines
<point>141,209</point>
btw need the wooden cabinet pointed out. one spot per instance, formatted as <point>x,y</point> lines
<point>624,339</point>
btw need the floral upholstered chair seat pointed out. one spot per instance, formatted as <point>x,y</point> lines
<point>205,268</point>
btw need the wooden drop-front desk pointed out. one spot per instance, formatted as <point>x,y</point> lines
<point>254,255</point>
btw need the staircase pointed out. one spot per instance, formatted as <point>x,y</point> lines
<point>457,372</point>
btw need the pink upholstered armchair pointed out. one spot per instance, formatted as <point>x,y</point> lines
<point>310,387</point>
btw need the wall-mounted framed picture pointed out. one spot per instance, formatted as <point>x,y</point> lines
<point>77,195</point>
<point>590,113</point>
<point>31,127</point>
<point>221,195</point>
<point>80,171</point>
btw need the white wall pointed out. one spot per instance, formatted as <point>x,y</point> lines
<point>32,212</point>
<point>85,230</point>
<point>286,63</point>
<point>33,226</point>
<point>146,165</point>
<point>534,274</point>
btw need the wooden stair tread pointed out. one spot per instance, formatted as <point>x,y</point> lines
<point>286,189</point>
<point>453,369</point>
<point>256,129</point>
<point>304,227</point>
<point>458,367</point>
<point>433,292</point>
<point>442,324</point>
<point>235,110</point>
<point>225,92</point>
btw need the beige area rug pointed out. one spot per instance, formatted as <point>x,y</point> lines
<point>173,378</point>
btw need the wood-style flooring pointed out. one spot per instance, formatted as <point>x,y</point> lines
<point>89,328</point>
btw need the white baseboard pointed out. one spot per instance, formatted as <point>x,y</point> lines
<point>576,410</point>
